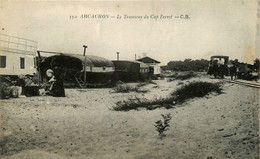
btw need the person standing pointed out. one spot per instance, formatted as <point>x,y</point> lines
<point>57,89</point>
<point>234,69</point>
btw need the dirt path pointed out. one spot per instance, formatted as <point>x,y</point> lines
<point>82,125</point>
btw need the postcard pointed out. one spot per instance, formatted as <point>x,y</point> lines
<point>129,79</point>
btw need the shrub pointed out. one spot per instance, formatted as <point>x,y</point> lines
<point>180,83</point>
<point>173,75</point>
<point>182,94</point>
<point>182,77</point>
<point>170,80</point>
<point>195,89</point>
<point>161,127</point>
<point>150,81</point>
<point>186,76</point>
<point>136,103</point>
<point>141,84</point>
<point>119,82</point>
<point>125,88</point>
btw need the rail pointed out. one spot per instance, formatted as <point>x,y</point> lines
<point>248,84</point>
<point>17,45</point>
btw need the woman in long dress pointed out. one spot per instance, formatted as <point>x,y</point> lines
<point>57,88</point>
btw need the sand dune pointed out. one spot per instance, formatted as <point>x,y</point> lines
<point>84,126</point>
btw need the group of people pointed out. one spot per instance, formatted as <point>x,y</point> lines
<point>219,67</point>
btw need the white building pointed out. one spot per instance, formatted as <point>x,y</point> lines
<point>17,55</point>
<point>154,64</point>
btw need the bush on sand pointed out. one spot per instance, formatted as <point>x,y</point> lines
<point>125,88</point>
<point>179,96</point>
<point>182,77</point>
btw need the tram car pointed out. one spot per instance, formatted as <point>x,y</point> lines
<point>73,67</point>
<point>131,71</point>
<point>17,65</point>
<point>247,72</point>
<point>218,66</point>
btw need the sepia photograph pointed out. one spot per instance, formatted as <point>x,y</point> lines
<point>123,79</point>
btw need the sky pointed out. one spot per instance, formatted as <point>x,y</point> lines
<point>213,28</point>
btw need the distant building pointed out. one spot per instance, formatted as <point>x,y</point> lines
<point>130,71</point>
<point>17,55</point>
<point>153,64</point>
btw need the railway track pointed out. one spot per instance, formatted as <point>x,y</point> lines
<point>244,83</point>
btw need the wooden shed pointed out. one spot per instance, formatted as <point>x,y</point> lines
<point>153,64</point>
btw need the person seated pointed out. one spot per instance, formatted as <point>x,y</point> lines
<point>56,89</point>
<point>221,61</point>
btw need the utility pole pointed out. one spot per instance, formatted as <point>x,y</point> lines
<point>117,56</point>
<point>84,69</point>
<point>38,67</point>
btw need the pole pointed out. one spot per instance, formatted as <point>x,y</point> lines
<point>84,69</point>
<point>38,67</point>
<point>117,56</point>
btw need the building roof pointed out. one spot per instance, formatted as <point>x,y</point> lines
<point>219,56</point>
<point>142,65</point>
<point>148,60</point>
<point>92,60</point>
<point>71,59</point>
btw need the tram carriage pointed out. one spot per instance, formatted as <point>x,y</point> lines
<point>98,70</point>
<point>131,71</point>
<point>218,66</point>
<point>247,72</point>
<point>17,65</point>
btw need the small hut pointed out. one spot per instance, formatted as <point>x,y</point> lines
<point>153,64</point>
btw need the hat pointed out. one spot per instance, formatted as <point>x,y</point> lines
<point>49,73</point>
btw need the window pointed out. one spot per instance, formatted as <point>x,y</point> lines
<point>2,61</point>
<point>22,63</point>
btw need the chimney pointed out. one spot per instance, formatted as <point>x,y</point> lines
<point>144,54</point>
<point>117,56</point>
<point>135,57</point>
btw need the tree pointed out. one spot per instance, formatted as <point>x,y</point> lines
<point>188,65</point>
<point>257,64</point>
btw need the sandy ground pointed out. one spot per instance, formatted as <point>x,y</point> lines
<point>84,126</point>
